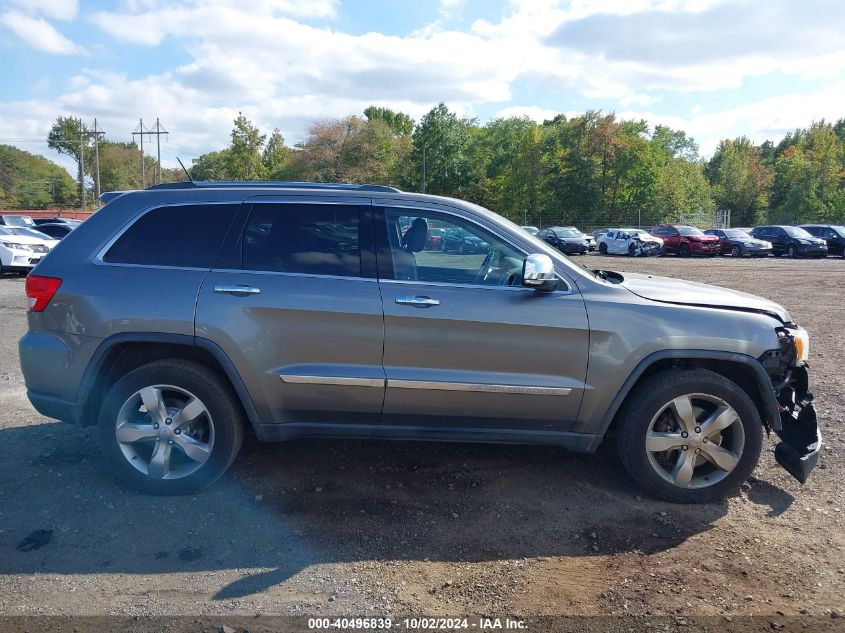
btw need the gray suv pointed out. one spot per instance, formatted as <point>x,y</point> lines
<point>177,317</point>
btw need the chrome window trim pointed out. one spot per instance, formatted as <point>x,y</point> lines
<point>98,258</point>
<point>478,387</point>
<point>499,234</point>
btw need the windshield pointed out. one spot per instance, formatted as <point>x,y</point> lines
<point>31,233</point>
<point>567,233</point>
<point>689,230</point>
<point>735,233</point>
<point>794,231</point>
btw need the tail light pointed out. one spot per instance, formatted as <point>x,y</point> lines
<point>40,290</point>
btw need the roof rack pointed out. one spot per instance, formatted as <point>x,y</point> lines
<point>275,185</point>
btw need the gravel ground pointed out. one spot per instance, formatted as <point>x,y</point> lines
<point>347,527</point>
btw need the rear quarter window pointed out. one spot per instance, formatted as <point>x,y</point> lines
<point>183,236</point>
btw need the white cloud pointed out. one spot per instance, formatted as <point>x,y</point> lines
<point>58,9</point>
<point>38,33</point>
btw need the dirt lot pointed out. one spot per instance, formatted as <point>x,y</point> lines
<point>349,527</point>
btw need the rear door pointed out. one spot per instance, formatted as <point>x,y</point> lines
<point>466,346</point>
<point>294,303</point>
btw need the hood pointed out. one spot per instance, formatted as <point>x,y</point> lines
<point>647,237</point>
<point>22,239</point>
<point>678,291</point>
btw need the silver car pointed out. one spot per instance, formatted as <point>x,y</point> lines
<point>178,316</point>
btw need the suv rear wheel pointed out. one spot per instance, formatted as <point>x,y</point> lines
<point>689,436</point>
<point>170,427</point>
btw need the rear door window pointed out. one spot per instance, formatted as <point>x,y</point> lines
<point>181,236</point>
<point>317,239</point>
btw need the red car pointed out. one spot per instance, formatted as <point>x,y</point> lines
<point>686,240</point>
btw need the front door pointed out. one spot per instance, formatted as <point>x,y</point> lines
<point>466,345</point>
<point>295,304</point>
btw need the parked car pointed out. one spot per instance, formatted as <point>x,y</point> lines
<point>591,241</point>
<point>833,234</point>
<point>738,243</point>
<point>16,220</point>
<point>48,241</point>
<point>56,231</point>
<point>633,242</point>
<point>533,230</point>
<point>286,332</point>
<point>434,241</point>
<point>19,253</point>
<point>791,241</point>
<point>686,240</point>
<point>462,241</point>
<point>568,240</point>
<point>73,221</point>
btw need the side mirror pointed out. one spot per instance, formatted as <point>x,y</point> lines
<point>538,272</point>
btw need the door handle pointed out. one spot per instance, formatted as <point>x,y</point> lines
<point>417,302</point>
<point>224,289</point>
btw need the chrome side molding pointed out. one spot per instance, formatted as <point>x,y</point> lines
<point>474,386</point>
<point>341,381</point>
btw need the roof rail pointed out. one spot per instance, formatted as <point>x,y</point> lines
<point>275,185</point>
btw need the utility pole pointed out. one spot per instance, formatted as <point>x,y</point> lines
<point>82,164</point>
<point>97,133</point>
<point>423,174</point>
<point>140,130</point>
<point>158,131</point>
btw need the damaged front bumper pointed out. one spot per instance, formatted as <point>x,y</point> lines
<point>801,440</point>
<point>796,423</point>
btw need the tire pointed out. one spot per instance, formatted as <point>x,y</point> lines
<point>461,249</point>
<point>792,252</point>
<point>213,437</point>
<point>602,249</point>
<point>646,409</point>
<point>443,248</point>
<point>632,250</point>
<point>736,251</point>
<point>683,250</point>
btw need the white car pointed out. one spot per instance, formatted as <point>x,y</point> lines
<point>633,242</point>
<point>19,252</point>
<point>48,241</point>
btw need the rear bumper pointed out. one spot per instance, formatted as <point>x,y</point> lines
<point>53,407</point>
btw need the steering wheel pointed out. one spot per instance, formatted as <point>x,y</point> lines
<point>484,270</point>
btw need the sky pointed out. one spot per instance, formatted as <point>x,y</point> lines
<point>714,68</point>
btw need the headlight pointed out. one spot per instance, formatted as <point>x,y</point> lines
<point>801,341</point>
<point>17,247</point>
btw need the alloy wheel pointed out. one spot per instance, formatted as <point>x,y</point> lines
<point>165,432</point>
<point>695,440</point>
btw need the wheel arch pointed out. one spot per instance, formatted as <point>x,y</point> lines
<point>121,353</point>
<point>746,371</point>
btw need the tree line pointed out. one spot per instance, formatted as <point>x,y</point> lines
<point>590,170</point>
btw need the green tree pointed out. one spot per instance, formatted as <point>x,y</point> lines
<point>244,159</point>
<point>399,122</point>
<point>809,178</point>
<point>441,144</point>
<point>276,156</point>
<point>740,180</point>
<point>32,181</point>
<point>212,166</point>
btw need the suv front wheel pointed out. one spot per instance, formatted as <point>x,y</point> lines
<point>170,427</point>
<point>689,436</point>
